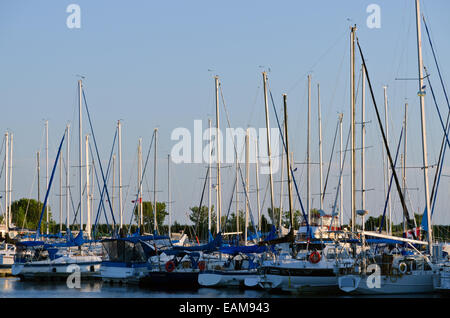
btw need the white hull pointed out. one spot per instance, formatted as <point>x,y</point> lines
<point>415,283</point>
<point>123,274</point>
<point>6,261</point>
<point>88,266</point>
<point>298,283</point>
<point>442,280</point>
<point>232,278</point>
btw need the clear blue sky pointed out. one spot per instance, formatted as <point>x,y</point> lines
<point>147,62</point>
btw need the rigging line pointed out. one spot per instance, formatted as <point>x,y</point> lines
<point>290,168</point>
<point>101,203</point>
<point>390,183</point>
<point>128,191</point>
<point>442,152</point>
<point>229,205</point>
<point>201,201</point>
<point>339,38</point>
<point>38,230</point>
<point>28,204</point>
<point>341,171</point>
<point>397,183</point>
<point>329,163</point>
<point>78,208</point>
<point>98,155</point>
<point>105,184</point>
<point>436,62</point>
<point>239,168</point>
<point>1,150</point>
<point>142,179</point>
<point>264,198</point>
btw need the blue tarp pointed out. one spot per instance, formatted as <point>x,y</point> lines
<point>251,248</point>
<point>243,249</point>
<point>30,243</point>
<point>210,247</point>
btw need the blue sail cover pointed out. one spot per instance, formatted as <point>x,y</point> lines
<point>210,247</point>
<point>250,248</point>
<point>79,239</point>
<point>243,249</point>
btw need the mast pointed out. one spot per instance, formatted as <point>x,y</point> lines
<point>46,169</point>
<point>155,227</point>
<point>257,185</point>
<point>209,179</point>
<point>88,191</point>
<point>404,161</point>
<point>352,123</point>
<point>247,180</point>
<point>113,179</point>
<point>363,140</point>
<point>269,152</point>
<point>281,188</point>
<point>424,137</point>
<point>308,177</point>
<point>140,209</point>
<point>6,181</point>
<point>341,179</point>
<point>288,166</point>
<point>10,178</point>
<point>80,153</point>
<point>60,193</point>
<point>119,125</point>
<point>67,177</point>
<point>168,194</point>
<point>38,177</point>
<point>386,124</point>
<point>320,146</point>
<point>219,194</point>
<point>237,194</point>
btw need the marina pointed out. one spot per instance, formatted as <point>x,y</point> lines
<point>138,207</point>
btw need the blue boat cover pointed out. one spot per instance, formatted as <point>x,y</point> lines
<point>210,247</point>
<point>250,248</point>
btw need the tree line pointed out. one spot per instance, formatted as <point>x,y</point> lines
<point>26,213</point>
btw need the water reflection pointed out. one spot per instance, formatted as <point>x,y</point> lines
<point>13,287</point>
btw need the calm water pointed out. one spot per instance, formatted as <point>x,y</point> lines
<point>14,288</point>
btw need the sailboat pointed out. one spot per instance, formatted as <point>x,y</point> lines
<point>410,271</point>
<point>179,266</point>
<point>310,265</point>
<point>241,265</point>
<point>38,259</point>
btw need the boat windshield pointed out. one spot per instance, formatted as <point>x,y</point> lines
<point>124,251</point>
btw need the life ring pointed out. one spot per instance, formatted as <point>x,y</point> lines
<point>170,266</point>
<point>314,257</point>
<point>402,267</point>
<point>201,266</point>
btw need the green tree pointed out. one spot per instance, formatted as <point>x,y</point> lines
<point>200,219</point>
<point>285,220</point>
<point>231,225</point>
<point>27,212</point>
<point>148,216</point>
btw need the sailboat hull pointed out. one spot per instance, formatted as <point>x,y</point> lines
<point>415,283</point>
<point>169,280</point>
<point>129,273</point>
<point>60,268</point>
<point>232,278</point>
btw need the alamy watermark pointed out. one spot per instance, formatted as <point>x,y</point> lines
<point>374,19</point>
<point>197,147</point>
<point>73,21</point>
<point>74,279</point>
<point>374,279</point>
